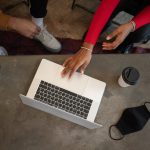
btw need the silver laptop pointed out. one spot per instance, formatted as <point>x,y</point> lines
<point>76,99</point>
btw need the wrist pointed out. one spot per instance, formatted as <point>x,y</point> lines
<point>88,45</point>
<point>12,23</point>
<point>132,26</point>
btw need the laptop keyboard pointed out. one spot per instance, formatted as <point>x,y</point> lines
<point>63,99</point>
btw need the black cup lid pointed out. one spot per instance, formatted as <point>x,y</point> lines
<point>130,75</point>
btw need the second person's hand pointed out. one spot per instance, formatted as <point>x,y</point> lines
<point>23,26</point>
<point>119,35</point>
<point>80,60</point>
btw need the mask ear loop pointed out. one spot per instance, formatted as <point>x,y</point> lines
<point>111,135</point>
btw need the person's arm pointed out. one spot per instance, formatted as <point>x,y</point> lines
<point>102,15</point>
<point>124,30</point>
<point>4,20</point>
<point>23,26</point>
<point>142,18</point>
<point>82,58</point>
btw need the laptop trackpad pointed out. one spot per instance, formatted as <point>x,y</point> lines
<point>76,84</point>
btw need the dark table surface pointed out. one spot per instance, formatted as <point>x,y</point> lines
<point>25,128</point>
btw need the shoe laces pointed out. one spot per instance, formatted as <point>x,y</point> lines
<point>44,34</point>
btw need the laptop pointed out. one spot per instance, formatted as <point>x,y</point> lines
<point>76,99</point>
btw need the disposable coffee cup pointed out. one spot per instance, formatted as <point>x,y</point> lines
<point>129,76</point>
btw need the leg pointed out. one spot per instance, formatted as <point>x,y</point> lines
<point>38,8</point>
<point>38,11</point>
<point>141,35</point>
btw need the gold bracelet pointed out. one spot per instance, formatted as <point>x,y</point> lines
<point>133,25</point>
<point>86,48</point>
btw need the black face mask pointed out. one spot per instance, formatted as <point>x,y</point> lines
<point>132,120</point>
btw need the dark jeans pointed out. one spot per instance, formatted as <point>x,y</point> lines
<point>38,8</point>
<point>142,34</point>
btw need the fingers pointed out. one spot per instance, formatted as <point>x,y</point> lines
<point>32,32</point>
<point>70,67</point>
<point>67,66</point>
<point>38,29</point>
<point>75,68</point>
<point>66,61</point>
<point>83,67</point>
<point>112,35</point>
<point>113,45</point>
<point>65,71</point>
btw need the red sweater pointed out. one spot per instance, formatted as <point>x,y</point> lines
<point>102,15</point>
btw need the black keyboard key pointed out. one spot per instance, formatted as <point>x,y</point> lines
<point>79,97</point>
<point>59,97</point>
<point>70,105</point>
<point>78,104</point>
<point>67,100</point>
<point>78,112</point>
<point>74,102</point>
<point>63,102</point>
<point>63,94</point>
<point>89,104</point>
<point>86,107</point>
<point>37,96</point>
<point>45,91</point>
<point>74,98</point>
<point>74,106</point>
<point>60,105</point>
<point>63,107</point>
<point>81,109</point>
<point>42,82</point>
<point>86,111</point>
<point>81,101</point>
<point>84,102</point>
<point>67,104</point>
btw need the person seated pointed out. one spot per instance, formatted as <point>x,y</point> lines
<point>137,30</point>
<point>34,28</point>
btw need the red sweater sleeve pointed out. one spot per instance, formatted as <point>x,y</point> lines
<point>100,18</point>
<point>143,17</point>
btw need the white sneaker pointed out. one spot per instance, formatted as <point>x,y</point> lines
<point>3,51</point>
<point>48,40</point>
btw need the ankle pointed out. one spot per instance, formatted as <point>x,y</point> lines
<point>38,21</point>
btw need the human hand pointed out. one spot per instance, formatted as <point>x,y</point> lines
<point>23,26</point>
<point>80,60</point>
<point>119,35</point>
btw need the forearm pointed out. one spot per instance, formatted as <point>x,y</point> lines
<point>4,21</point>
<point>101,16</point>
<point>143,17</point>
